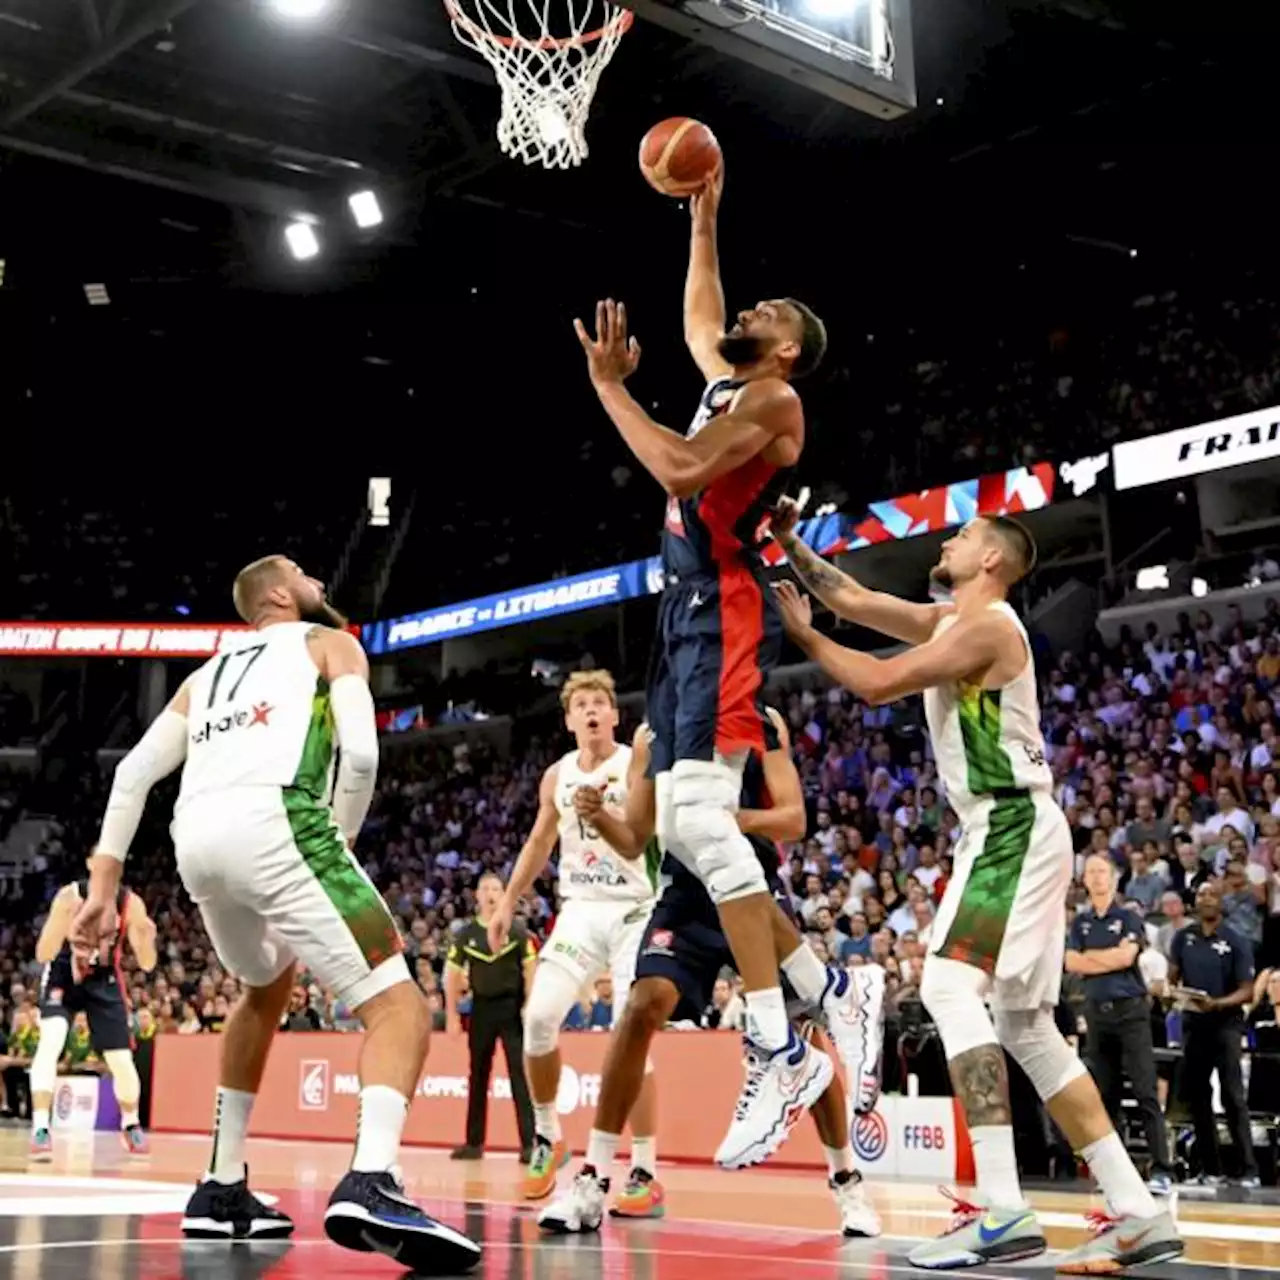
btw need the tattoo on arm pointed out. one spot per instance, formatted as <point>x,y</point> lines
<point>980,1078</point>
<point>812,569</point>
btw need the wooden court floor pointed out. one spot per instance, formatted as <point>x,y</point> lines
<point>96,1213</point>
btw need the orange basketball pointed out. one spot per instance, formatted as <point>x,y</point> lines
<point>677,156</point>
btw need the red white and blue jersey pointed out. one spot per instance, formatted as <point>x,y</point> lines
<point>726,521</point>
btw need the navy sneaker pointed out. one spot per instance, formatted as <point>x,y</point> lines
<point>230,1211</point>
<point>369,1212</point>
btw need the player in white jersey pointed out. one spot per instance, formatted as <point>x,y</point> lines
<point>607,901</point>
<point>999,935</point>
<point>262,830</point>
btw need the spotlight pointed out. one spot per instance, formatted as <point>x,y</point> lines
<point>302,241</point>
<point>96,295</point>
<point>300,10</point>
<point>365,209</point>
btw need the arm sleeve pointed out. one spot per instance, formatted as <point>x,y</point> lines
<point>353,717</point>
<point>162,749</point>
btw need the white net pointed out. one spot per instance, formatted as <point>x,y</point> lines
<point>547,56</point>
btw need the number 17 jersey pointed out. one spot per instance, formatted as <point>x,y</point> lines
<point>260,716</point>
<point>591,869</point>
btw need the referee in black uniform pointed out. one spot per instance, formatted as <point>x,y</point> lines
<point>499,985</point>
<point>1103,949</point>
<point>1211,958</point>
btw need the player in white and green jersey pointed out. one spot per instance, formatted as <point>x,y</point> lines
<point>998,937</point>
<point>263,829</point>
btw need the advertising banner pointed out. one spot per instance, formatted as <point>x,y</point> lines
<point>311,1090</point>
<point>115,639</point>
<point>1191,451</point>
<point>75,1104</point>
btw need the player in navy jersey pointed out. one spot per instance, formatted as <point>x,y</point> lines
<point>99,993</point>
<point>719,635</point>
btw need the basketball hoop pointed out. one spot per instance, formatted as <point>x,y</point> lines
<point>547,82</point>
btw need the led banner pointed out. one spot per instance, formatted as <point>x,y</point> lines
<point>115,639</point>
<point>547,600</point>
<point>1191,451</point>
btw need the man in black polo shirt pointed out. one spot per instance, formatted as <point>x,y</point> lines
<point>499,985</point>
<point>1209,958</point>
<point>1103,949</point>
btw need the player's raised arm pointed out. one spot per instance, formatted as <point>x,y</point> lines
<point>535,853</point>
<point>785,819</point>
<point>56,925</point>
<point>971,646</point>
<point>627,832</point>
<point>141,931</point>
<point>343,663</point>
<point>845,596</point>
<point>704,309</point>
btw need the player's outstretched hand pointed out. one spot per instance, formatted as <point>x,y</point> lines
<point>92,928</point>
<point>785,516</point>
<point>612,356</point>
<point>705,204</point>
<point>499,927</point>
<point>797,612</point>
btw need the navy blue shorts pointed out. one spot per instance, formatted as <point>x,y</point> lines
<point>683,942</point>
<point>718,637</point>
<point>99,997</point>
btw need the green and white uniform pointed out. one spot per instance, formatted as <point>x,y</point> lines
<point>607,898</point>
<point>1003,910</point>
<point>258,847</point>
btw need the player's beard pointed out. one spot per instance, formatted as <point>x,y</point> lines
<point>324,614</point>
<point>740,349</point>
<point>940,576</point>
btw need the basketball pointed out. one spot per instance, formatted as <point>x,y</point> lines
<point>678,156</point>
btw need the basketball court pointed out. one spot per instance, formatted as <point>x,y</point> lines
<point>96,1213</point>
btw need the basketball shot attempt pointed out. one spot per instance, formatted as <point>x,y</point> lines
<point>608,895</point>
<point>998,936</point>
<point>263,834</point>
<point>719,634</point>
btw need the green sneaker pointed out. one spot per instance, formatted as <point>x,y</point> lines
<point>978,1235</point>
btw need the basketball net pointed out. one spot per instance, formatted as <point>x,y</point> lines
<point>547,81</point>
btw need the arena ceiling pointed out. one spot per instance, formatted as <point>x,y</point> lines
<point>160,137</point>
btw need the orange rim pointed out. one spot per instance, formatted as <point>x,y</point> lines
<point>619,24</point>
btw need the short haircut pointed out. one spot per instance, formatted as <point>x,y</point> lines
<point>813,340</point>
<point>489,875</point>
<point>1017,541</point>
<point>252,581</point>
<point>589,682</point>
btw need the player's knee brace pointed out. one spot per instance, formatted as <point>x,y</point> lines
<point>705,796</point>
<point>44,1065</point>
<point>124,1076</point>
<point>550,999</point>
<point>664,816</point>
<point>1033,1040</point>
<point>954,994</point>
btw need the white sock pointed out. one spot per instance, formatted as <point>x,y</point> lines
<point>39,1118</point>
<point>546,1121</point>
<point>1122,1186</point>
<point>996,1166</point>
<point>806,973</point>
<point>839,1159</point>
<point>230,1128</point>
<point>383,1111</point>
<point>602,1148</point>
<point>129,1116</point>
<point>767,1019</point>
<point>644,1155</point>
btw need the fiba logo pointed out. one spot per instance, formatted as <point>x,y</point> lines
<point>870,1137</point>
<point>64,1102</point>
<point>313,1086</point>
<point>567,1093</point>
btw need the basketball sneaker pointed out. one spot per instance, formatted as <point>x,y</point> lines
<point>580,1209</point>
<point>370,1213</point>
<point>1117,1243</point>
<point>853,1005</point>
<point>548,1158</point>
<point>779,1088</point>
<point>134,1141</point>
<point>858,1220</point>
<point>41,1150</point>
<point>642,1197</point>
<point>230,1211</point>
<point>977,1235</point>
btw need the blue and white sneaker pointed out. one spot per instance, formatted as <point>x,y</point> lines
<point>370,1213</point>
<point>853,1006</point>
<point>779,1088</point>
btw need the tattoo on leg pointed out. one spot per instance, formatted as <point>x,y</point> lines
<point>980,1078</point>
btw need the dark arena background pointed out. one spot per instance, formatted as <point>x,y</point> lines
<point>270,283</point>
